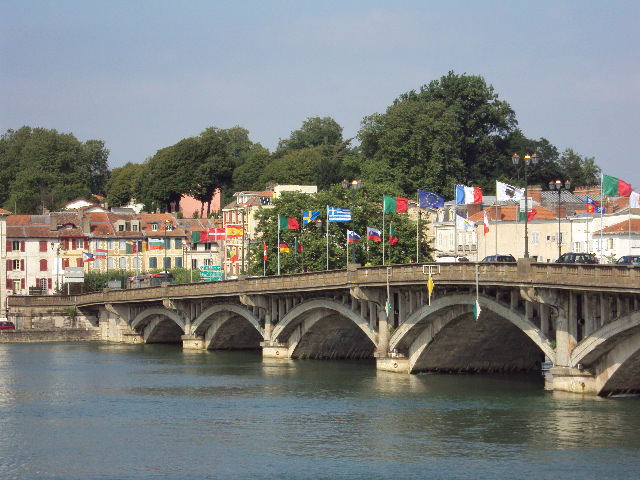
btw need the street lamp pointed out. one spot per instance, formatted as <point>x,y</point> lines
<point>56,247</point>
<point>354,185</point>
<point>527,159</point>
<point>557,185</point>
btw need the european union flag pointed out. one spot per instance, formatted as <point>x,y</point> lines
<point>309,216</point>
<point>427,199</point>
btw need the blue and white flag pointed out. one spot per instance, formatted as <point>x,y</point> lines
<point>427,199</point>
<point>309,216</point>
<point>338,214</point>
<point>352,237</point>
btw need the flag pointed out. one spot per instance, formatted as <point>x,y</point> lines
<point>464,224</point>
<point>387,307</point>
<point>466,195</point>
<point>233,231</point>
<point>394,204</point>
<point>486,223</point>
<point>615,187</point>
<point>430,285</point>
<point>216,234</point>
<point>506,192</point>
<point>392,236</point>
<point>427,199</point>
<point>284,247</point>
<point>299,247</point>
<point>264,250</point>
<point>287,223</point>
<point>87,257</point>
<point>352,237</point>
<point>634,200</point>
<point>204,236</point>
<point>529,216</point>
<point>195,236</point>
<point>309,216</point>
<point>131,248</point>
<point>338,214</point>
<point>100,253</point>
<point>156,244</point>
<point>476,310</point>
<point>593,207</point>
<point>374,234</point>
<point>233,257</point>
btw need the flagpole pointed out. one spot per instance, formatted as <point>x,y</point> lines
<point>455,223</point>
<point>295,254</point>
<point>278,245</point>
<point>496,224</point>
<point>264,261</point>
<point>347,248</point>
<point>601,214</point>
<point>383,234</point>
<point>327,237</point>
<point>418,230</point>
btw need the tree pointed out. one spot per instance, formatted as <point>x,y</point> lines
<point>446,133</point>
<point>124,183</point>
<point>315,132</point>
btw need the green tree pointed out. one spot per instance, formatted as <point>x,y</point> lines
<point>448,132</point>
<point>123,183</point>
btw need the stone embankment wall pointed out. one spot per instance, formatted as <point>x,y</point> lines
<point>51,335</point>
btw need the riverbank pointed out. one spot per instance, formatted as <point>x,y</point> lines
<point>49,335</point>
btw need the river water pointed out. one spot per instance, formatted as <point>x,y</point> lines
<point>98,411</point>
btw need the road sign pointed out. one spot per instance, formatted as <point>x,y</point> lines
<point>210,273</point>
<point>74,275</point>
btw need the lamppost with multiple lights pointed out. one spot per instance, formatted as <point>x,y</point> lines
<point>557,185</point>
<point>354,185</point>
<point>527,159</point>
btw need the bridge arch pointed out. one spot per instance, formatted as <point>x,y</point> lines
<point>228,326</point>
<point>612,354</point>
<point>423,336</point>
<point>159,325</point>
<point>324,328</point>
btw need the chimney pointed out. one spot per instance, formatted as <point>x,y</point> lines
<point>53,223</point>
<point>535,192</point>
<point>86,225</point>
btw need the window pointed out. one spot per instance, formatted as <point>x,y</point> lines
<point>177,243</point>
<point>561,237</point>
<point>43,245</point>
<point>136,263</point>
<point>154,227</point>
<point>15,264</point>
<point>535,237</point>
<point>121,227</point>
<point>122,263</point>
<point>15,245</point>
<point>96,244</point>
<point>135,227</point>
<point>153,262</point>
<point>43,265</point>
<point>167,243</point>
<point>194,263</point>
<point>110,244</point>
<point>178,262</point>
<point>167,263</point>
<point>111,262</point>
<point>42,283</point>
<point>65,263</point>
<point>123,245</point>
<point>79,262</point>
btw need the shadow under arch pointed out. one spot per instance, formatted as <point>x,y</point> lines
<point>491,343</point>
<point>323,328</point>
<point>159,325</point>
<point>228,326</point>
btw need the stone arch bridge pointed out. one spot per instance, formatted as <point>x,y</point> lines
<point>584,319</point>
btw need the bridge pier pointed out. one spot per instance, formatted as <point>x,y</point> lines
<point>573,380</point>
<point>274,351</point>
<point>399,364</point>
<point>192,342</point>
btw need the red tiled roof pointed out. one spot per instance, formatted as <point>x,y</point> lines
<point>622,227</point>
<point>510,214</point>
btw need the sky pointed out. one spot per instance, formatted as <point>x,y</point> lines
<point>143,75</point>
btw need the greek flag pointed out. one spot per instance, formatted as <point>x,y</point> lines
<point>338,214</point>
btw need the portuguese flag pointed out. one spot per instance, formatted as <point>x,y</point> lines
<point>233,257</point>
<point>614,187</point>
<point>394,204</point>
<point>287,223</point>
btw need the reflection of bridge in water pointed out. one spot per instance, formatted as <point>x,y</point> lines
<point>584,318</point>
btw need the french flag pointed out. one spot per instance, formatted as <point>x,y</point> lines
<point>467,195</point>
<point>374,234</point>
<point>352,237</point>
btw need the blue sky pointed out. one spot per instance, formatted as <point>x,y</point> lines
<point>142,75</point>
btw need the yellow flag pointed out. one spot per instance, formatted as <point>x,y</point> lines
<point>430,285</point>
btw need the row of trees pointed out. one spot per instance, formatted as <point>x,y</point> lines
<point>454,130</point>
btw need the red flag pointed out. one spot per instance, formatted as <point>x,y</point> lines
<point>531,214</point>
<point>203,236</point>
<point>299,247</point>
<point>486,223</point>
<point>392,236</point>
<point>264,256</point>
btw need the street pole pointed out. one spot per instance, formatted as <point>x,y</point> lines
<point>527,159</point>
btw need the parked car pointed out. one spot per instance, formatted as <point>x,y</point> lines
<point>7,326</point>
<point>629,260</point>
<point>499,258</point>
<point>577,258</point>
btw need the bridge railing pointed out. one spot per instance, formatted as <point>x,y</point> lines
<point>619,278</point>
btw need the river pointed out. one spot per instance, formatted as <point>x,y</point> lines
<point>102,411</point>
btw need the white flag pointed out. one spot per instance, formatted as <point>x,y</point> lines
<point>464,224</point>
<point>634,200</point>
<point>507,192</point>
